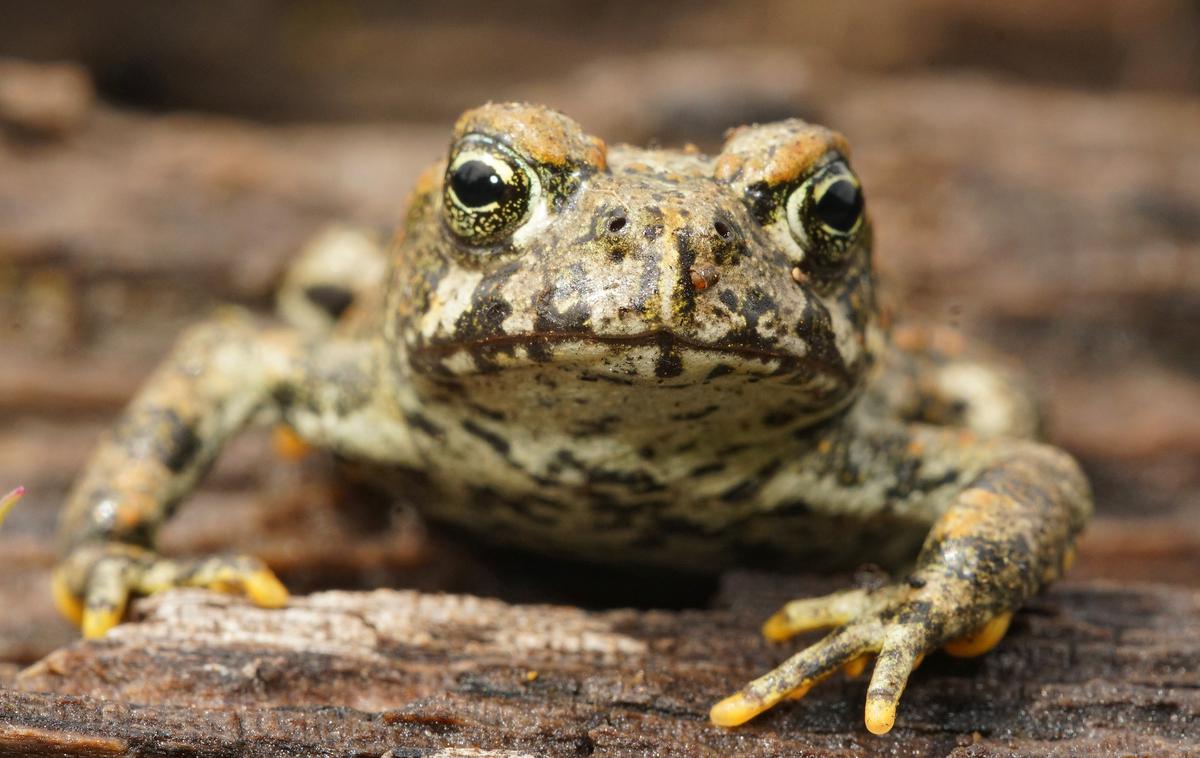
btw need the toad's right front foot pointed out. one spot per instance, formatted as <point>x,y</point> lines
<point>93,583</point>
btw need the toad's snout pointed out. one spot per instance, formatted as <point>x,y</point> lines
<point>690,246</point>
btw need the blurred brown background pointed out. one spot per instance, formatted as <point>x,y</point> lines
<point>1033,170</point>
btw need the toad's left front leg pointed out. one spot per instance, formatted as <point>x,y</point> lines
<point>1001,537</point>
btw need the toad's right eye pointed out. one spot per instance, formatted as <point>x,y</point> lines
<point>488,192</point>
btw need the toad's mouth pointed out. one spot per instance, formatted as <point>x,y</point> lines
<point>540,347</point>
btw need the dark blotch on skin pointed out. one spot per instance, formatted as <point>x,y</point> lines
<point>670,363</point>
<point>761,202</point>
<point>332,299</point>
<point>182,444</point>
<point>816,329</point>
<point>635,481</point>
<point>592,427</point>
<point>418,421</point>
<point>756,305</point>
<point>779,418</point>
<point>493,440</point>
<point>748,487</point>
<point>491,413</point>
<point>685,291</point>
<point>706,469</point>
<point>729,299</point>
<point>695,415</point>
<point>284,396</point>
<point>483,319</point>
<point>550,320</point>
<point>721,369</point>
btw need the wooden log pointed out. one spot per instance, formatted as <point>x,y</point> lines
<point>1088,669</point>
<point>1061,226</point>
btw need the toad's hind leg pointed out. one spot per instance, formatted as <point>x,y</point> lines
<point>928,374</point>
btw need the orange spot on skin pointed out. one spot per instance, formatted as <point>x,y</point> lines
<point>798,276</point>
<point>128,516</point>
<point>540,134</point>
<point>885,317</point>
<point>908,338</point>
<point>1068,559</point>
<point>288,445</point>
<point>727,167</point>
<point>790,159</point>
<point>703,278</point>
<point>430,179</point>
<point>948,342</point>
<point>972,509</point>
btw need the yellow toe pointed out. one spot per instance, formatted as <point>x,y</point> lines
<point>982,639</point>
<point>736,710</point>
<point>70,606</point>
<point>880,716</point>
<point>96,623</point>
<point>854,668</point>
<point>265,590</point>
<point>778,628</point>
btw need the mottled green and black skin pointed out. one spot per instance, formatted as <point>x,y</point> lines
<point>643,357</point>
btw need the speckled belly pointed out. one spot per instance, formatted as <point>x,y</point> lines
<point>597,527</point>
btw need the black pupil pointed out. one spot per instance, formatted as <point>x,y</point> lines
<point>477,184</point>
<point>840,206</point>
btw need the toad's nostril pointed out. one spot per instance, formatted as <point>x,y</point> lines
<point>617,223</point>
<point>722,229</point>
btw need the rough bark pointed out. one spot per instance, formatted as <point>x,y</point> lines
<point>1091,668</point>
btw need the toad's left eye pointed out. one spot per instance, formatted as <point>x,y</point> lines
<point>488,192</point>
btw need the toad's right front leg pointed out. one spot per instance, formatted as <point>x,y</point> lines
<point>222,374</point>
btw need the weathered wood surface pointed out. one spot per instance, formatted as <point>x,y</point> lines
<point>1060,226</point>
<point>1090,669</point>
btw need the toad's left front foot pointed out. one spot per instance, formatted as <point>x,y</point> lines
<point>899,623</point>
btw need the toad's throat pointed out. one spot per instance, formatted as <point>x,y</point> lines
<point>539,347</point>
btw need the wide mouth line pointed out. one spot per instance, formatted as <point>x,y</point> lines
<point>660,337</point>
